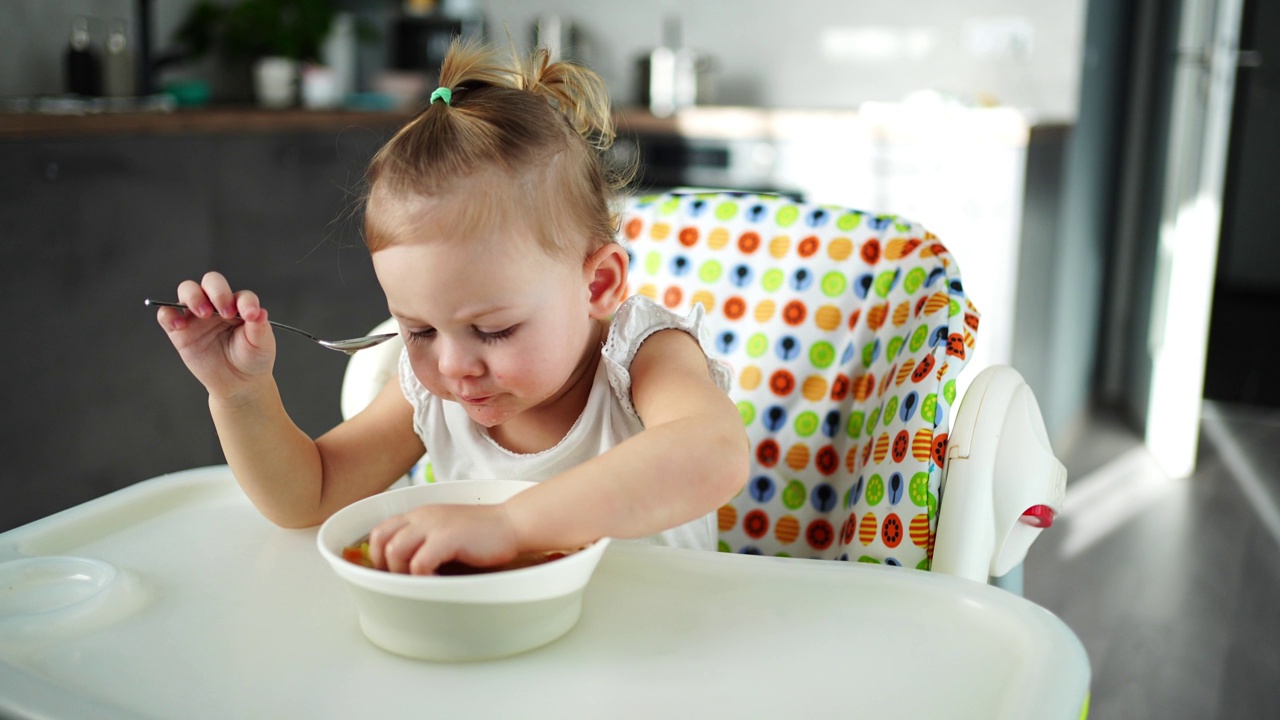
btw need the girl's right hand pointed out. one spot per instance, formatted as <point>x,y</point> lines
<point>223,336</point>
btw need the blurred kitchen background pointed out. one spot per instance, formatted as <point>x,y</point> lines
<point>1102,169</point>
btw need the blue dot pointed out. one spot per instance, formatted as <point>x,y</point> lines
<point>801,279</point>
<point>862,285</point>
<point>855,493</point>
<point>761,488</point>
<point>939,336</point>
<point>896,486</point>
<point>756,212</point>
<point>880,222</point>
<point>875,350</point>
<point>750,550</point>
<point>741,275</point>
<point>817,217</point>
<point>831,423</point>
<point>697,207</point>
<point>910,402</point>
<point>726,342</point>
<point>680,265</point>
<point>847,355</point>
<point>934,275</point>
<point>788,347</point>
<point>956,287</point>
<point>892,561</point>
<point>775,416</point>
<point>823,498</point>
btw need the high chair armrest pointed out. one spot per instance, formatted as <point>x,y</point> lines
<point>1002,484</point>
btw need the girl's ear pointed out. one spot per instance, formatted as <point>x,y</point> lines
<point>605,272</point>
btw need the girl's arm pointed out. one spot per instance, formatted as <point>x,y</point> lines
<point>227,344</point>
<point>692,457</point>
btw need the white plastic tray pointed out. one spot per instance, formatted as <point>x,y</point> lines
<point>180,600</point>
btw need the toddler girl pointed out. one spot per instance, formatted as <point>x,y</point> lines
<point>491,235</point>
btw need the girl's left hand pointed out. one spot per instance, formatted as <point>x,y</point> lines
<point>425,538</point>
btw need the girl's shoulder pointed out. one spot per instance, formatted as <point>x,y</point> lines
<point>635,320</point>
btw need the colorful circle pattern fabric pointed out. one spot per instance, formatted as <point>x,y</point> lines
<point>846,332</point>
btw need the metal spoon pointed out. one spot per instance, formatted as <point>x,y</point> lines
<point>344,346</point>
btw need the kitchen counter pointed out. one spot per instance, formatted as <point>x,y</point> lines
<point>218,120</point>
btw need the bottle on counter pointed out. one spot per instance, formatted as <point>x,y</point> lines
<point>83,72</point>
<point>118,72</point>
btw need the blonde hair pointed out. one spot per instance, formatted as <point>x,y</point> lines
<point>544,126</point>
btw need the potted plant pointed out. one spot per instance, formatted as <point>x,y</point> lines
<point>269,36</point>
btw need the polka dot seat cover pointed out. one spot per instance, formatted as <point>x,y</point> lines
<point>845,332</point>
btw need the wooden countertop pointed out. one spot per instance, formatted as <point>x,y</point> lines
<point>238,120</point>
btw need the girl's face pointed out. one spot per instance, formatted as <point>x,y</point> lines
<point>491,320</point>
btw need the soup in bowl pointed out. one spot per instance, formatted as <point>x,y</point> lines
<point>467,613</point>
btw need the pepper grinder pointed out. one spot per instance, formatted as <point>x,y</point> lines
<point>82,71</point>
<point>118,69</point>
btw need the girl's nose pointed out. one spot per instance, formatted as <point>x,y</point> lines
<point>456,360</point>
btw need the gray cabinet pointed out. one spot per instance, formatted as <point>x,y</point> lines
<point>95,398</point>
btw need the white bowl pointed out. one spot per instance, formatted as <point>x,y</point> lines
<point>456,617</point>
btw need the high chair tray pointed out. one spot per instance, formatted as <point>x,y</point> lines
<point>174,598</point>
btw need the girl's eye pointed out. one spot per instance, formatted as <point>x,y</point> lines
<point>421,335</point>
<point>492,337</point>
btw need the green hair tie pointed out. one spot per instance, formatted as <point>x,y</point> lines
<point>442,93</point>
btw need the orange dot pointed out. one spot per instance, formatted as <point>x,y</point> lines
<point>726,517</point>
<point>814,388</point>
<point>748,242</point>
<point>882,447</point>
<point>840,248</point>
<point>764,311</point>
<point>867,528</point>
<point>922,444</point>
<point>688,236</point>
<point>779,246</point>
<point>735,307</point>
<point>718,238</point>
<point>901,313</point>
<point>919,530</point>
<point>877,315</point>
<point>808,246</point>
<point>827,317</point>
<point>648,290</point>
<point>659,231</point>
<point>936,302</point>
<point>798,457</point>
<point>782,382</point>
<point>672,297</point>
<point>871,251</point>
<point>787,529</point>
<point>634,226</point>
<point>750,378</point>
<point>707,300</point>
<point>794,312</point>
<point>905,371</point>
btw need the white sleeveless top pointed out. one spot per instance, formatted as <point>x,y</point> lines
<point>458,447</point>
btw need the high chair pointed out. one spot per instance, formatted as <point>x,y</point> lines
<point>846,333</point>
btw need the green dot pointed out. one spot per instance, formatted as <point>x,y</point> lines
<point>953,309</point>
<point>853,428</point>
<point>793,495</point>
<point>894,347</point>
<point>923,564</point>
<point>757,345</point>
<point>723,547</point>
<point>918,489</point>
<point>670,206</point>
<point>806,423</point>
<point>747,411</point>
<point>901,226</point>
<point>710,271</point>
<point>885,282</point>
<point>653,262</point>
<point>914,279</point>
<point>822,354</point>
<point>429,474</point>
<point>949,392</point>
<point>772,279</point>
<point>849,221</point>
<point>869,560</point>
<point>918,338</point>
<point>873,418</point>
<point>875,490</point>
<point>890,409</point>
<point>787,214</point>
<point>929,407</point>
<point>933,506</point>
<point>869,352</point>
<point>726,210</point>
<point>834,284</point>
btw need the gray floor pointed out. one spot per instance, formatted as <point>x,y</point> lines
<point>1172,585</point>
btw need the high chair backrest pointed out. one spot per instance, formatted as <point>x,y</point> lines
<point>845,332</point>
